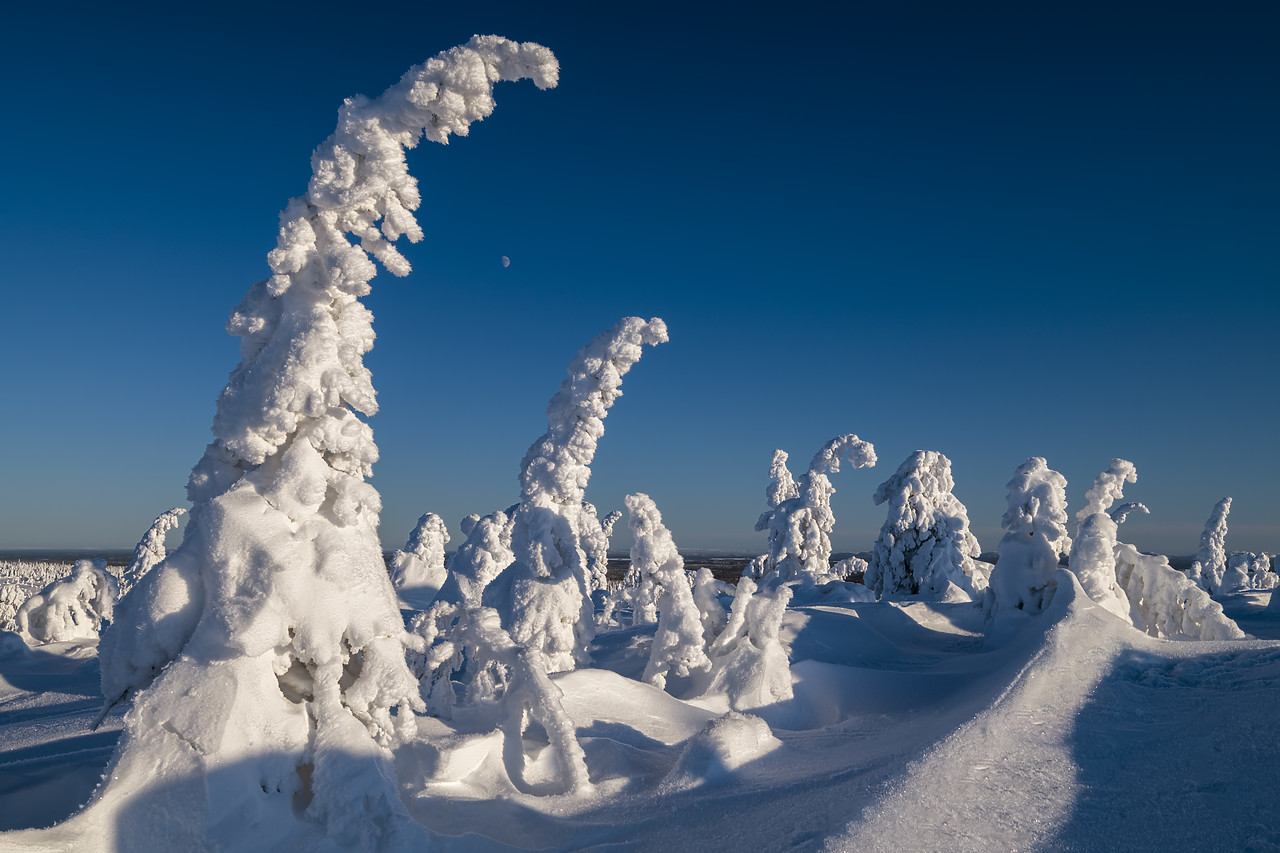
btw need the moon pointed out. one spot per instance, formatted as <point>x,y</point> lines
<point>506,262</point>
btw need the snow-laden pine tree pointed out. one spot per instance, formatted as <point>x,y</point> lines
<point>799,519</point>
<point>1210,565</point>
<point>268,648</point>
<point>925,545</point>
<point>679,645</point>
<point>417,570</point>
<point>150,551</point>
<point>1034,542</point>
<point>1093,558</point>
<point>545,595</point>
<point>596,534</point>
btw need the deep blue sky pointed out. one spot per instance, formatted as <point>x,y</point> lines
<point>992,230</point>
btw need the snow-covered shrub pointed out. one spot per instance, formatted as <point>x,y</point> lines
<point>1210,564</point>
<point>799,519</point>
<point>679,646</point>
<point>272,633</point>
<point>1093,559</point>
<point>418,568</point>
<point>925,545</point>
<point>521,688</point>
<point>150,551</point>
<point>852,568</point>
<point>748,661</point>
<point>1034,541</point>
<point>1166,603</point>
<point>545,596</point>
<point>72,609</point>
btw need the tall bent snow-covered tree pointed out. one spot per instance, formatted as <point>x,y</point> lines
<point>925,544</point>
<point>1210,565</point>
<point>545,596</point>
<point>266,655</point>
<point>799,520</point>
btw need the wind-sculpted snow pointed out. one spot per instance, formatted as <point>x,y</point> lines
<point>799,520</point>
<point>272,633</point>
<point>150,550</point>
<point>924,545</point>
<point>547,603</point>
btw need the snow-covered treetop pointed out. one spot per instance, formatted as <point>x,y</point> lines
<point>1108,487</point>
<point>557,465</point>
<point>150,549</point>
<point>360,187</point>
<point>781,485</point>
<point>1120,513</point>
<point>1038,504</point>
<point>1213,540</point>
<point>855,451</point>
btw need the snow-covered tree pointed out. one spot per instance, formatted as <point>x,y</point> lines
<point>679,645</point>
<point>1166,603</point>
<point>1093,558</point>
<point>1035,539</point>
<point>596,533</point>
<point>417,570</point>
<point>925,545</point>
<point>545,596</point>
<point>150,551</point>
<point>1210,564</point>
<point>799,519</point>
<point>706,595</point>
<point>748,662</point>
<point>1246,571</point>
<point>270,640</point>
<point>12,597</point>
<point>74,608</point>
<point>484,556</point>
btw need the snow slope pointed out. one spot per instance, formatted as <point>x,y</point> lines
<point>909,729</point>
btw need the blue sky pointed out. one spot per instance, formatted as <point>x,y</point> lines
<point>995,231</point>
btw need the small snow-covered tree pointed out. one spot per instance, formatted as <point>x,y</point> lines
<point>596,533</point>
<point>1210,564</point>
<point>545,601</point>
<point>799,520</point>
<point>1246,571</point>
<point>272,633</point>
<point>1165,603</point>
<point>748,663</point>
<point>925,544</point>
<point>484,556</point>
<point>1034,541</point>
<point>1093,558</point>
<point>150,551</point>
<point>74,608</point>
<point>679,644</point>
<point>418,568</point>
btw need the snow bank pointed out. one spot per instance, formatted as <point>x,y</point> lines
<point>924,545</point>
<point>72,609</point>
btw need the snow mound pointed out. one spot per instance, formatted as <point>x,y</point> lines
<point>71,609</point>
<point>719,749</point>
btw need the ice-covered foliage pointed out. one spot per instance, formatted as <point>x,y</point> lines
<point>71,609</point>
<point>748,662</point>
<point>1166,603</point>
<point>545,599</point>
<point>1035,539</point>
<point>799,519</point>
<point>925,545</point>
<point>1211,561</point>
<point>596,533</point>
<point>679,646</point>
<point>150,551</point>
<point>1093,555</point>
<point>271,638</point>
<point>418,569</point>
<point>515,682</point>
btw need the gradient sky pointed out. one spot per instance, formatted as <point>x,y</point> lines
<point>993,230</point>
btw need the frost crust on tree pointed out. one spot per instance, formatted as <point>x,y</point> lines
<point>547,593</point>
<point>71,609</point>
<point>679,644</point>
<point>1210,565</point>
<point>925,545</point>
<point>1034,542</point>
<point>799,519</point>
<point>272,633</point>
<point>150,550</point>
